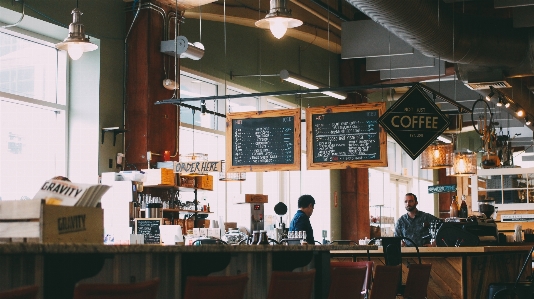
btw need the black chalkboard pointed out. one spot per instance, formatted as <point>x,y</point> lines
<point>346,136</point>
<point>267,140</point>
<point>149,227</point>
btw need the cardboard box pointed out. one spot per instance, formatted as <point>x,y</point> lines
<point>22,221</point>
<point>256,198</point>
<point>187,181</point>
<point>161,176</point>
<point>204,182</point>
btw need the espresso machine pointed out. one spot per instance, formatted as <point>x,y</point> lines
<point>251,213</point>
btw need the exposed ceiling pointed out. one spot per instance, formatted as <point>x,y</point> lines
<point>470,41</point>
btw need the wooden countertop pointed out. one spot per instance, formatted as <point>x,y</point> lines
<point>442,250</point>
<point>35,248</point>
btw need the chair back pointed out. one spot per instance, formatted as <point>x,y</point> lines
<point>294,285</point>
<point>417,281</point>
<point>345,282</point>
<point>28,292</point>
<point>140,290</point>
<point>216,287</point>
<point>368,275</point>
<point>385,282</point>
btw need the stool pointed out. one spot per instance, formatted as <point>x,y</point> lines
<point>385,282</point>
<point>216,287</point>
<point>28,292</point>
<point>346,282</point>
<point>141,290</point>
<point>294,285</point>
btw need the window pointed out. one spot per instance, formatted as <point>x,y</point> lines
<point>33,114</point>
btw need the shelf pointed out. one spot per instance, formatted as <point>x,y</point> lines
<point>183,189</point>
<point>186,211</point>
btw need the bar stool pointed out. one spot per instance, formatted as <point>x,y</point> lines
<point>294,285</point>
<point>417,281</point>
<point>385,282</point>
<point>216,287</point>
<point>141,290</point>
<point>344,280</point>
<point>28,292</point>
<point>368,275</point>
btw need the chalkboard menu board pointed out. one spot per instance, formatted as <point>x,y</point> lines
<point>263,141</point>
<point>150,228</point>
<point>345,136</point>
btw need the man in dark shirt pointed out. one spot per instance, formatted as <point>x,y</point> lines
<point>301,220</point>
<point>412,224</point>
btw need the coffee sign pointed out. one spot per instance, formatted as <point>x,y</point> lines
<point>414,121</point>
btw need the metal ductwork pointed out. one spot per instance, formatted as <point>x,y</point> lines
<point>429,27</point>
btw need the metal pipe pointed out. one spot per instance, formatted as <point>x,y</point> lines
<point>287,92</point>
<point>335,13</point>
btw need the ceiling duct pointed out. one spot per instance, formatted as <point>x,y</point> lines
<point>481,41</point>
<point>486,85</point>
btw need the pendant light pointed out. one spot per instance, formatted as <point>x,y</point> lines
<point>76,43</point>
<point>437,156</point>
<point>278,19</point>
<point>464,163</point>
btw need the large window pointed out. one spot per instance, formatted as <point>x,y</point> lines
<point>33,114</point>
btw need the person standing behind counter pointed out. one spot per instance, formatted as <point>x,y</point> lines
<point>301,220</point>
<point>412,224</point>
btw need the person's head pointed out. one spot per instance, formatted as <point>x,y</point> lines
<point>410,202</point>
<point>61,178</point>
<point>306,204</point>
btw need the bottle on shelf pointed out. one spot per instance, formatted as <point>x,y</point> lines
<point>454,207</point>
<point>463,208</point>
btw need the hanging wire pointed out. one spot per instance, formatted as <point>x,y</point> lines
<point>20,20</point>
<point>176,87</point>
<point>328,38</point>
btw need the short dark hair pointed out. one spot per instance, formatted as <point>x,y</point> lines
<point>306,200</point>
<point>411,194</point>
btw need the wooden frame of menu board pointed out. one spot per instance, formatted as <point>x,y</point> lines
<point>263,141</point>
<point>351,129</point>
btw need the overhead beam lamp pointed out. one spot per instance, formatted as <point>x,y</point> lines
<point>278,19</point>
<point>310,84</point>
<point>507,105</point>
<point>499,103</point>
<point>527,121</point>
<point>520,112</point>
<point>491,94</point>
<point>76,43</point>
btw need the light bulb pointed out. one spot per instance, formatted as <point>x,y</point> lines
<point>520,112</point>
<point>436,153</point>
<point>278,27</point>
<point>75,51</point>
<point>461,165</point>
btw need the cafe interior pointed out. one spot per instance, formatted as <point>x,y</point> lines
<point>108,91</point>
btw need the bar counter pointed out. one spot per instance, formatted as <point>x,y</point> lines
<point>56,268</point>
<point>457,272</point>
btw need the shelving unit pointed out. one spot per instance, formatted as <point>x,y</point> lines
<point>178,211</point>
<point>511,188</point>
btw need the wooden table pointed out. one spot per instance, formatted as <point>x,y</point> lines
<point>56,268</point>
<point>457,272</point>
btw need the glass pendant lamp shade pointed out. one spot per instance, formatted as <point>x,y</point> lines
<point>437,156</point>
<point>231,176</point>
<point>76,43</point>
<point>278,19</point>
<point>464,163</point>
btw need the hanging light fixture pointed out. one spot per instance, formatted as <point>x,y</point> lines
<point>464,163</point>
<point>490,95</point>
<point>76,43</point>
<point>437,156</point>
<point>231,176</point>
<point>278,19</point>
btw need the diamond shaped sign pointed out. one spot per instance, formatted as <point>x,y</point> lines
<point>414,121</point>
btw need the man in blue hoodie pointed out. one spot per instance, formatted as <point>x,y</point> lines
<point>301,220</point>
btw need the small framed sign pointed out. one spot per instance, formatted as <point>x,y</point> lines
<point>149,227</point>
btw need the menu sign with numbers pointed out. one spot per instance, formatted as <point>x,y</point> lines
<point>263,141</point>
<point>345,136</point>
<point>149,227</point>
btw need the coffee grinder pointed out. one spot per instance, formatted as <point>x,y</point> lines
<point>281,232</point>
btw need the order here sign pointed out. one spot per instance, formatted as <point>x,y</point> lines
<point>414,121</point>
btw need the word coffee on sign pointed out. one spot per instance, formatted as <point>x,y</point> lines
<point>414,121</point>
